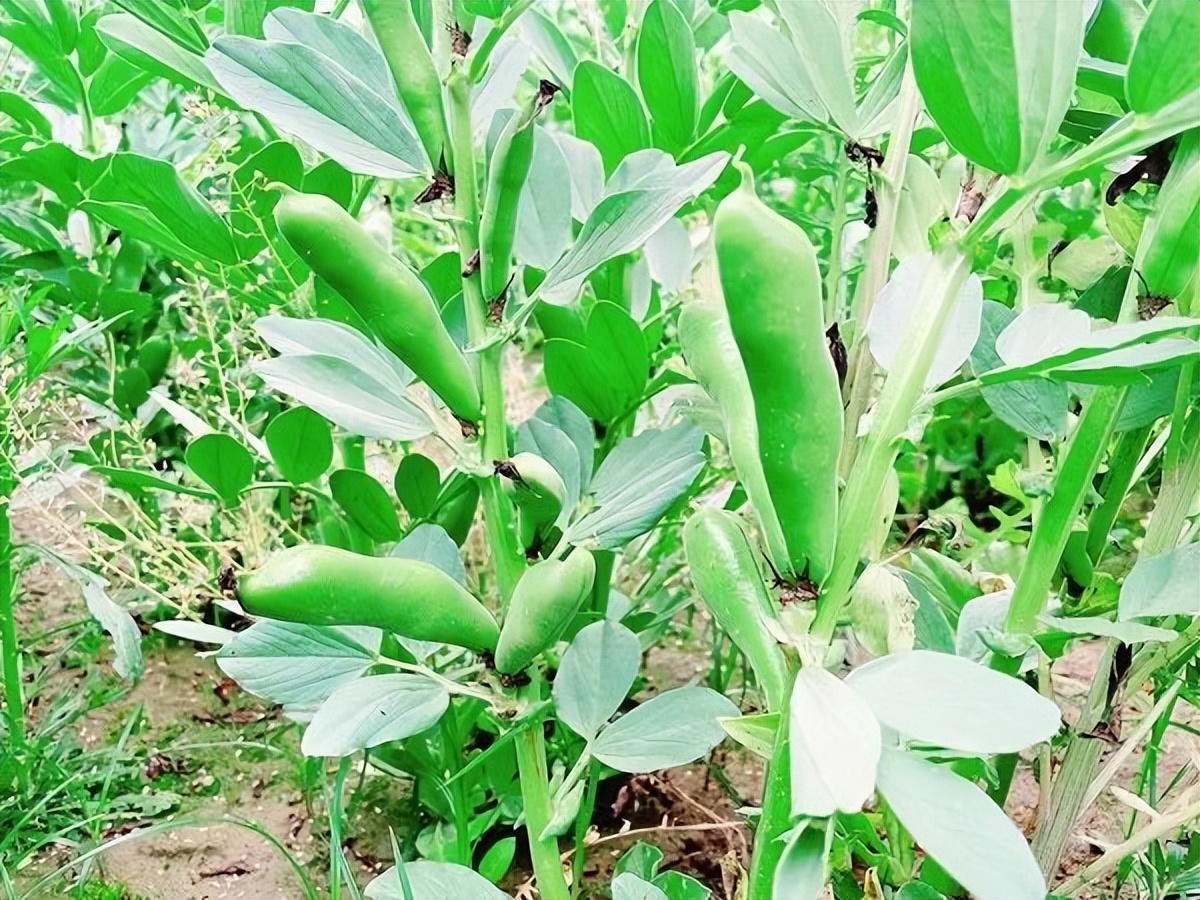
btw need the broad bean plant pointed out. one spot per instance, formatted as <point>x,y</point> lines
<point>764,258</point>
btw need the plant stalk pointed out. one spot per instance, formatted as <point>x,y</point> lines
<point>530,744</point>
<point>878,266</point>
<point>776,816</point>
<point>498,519</point>
<point>1071,485</point>
<point>899,397</point>
<point>535,793</point>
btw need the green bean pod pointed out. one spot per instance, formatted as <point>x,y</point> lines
<point>318,585</point>
<point>392,300</point>
<point>507,171</point>
<point>772,289</point>
<point>711,353</point>
<point>544,602</point>
<point>412,68</point>
<point>727,576</point>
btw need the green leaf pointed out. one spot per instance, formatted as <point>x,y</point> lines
<point>636,484</point>
<point>366,502</point>
<point>246,16</point>
<point>297,666</point>
<point>997,77</point>
<point>952,702</point>
<point>624,220</point>
<point>1036,407</point>
<point>496,862</point>
<point>608,113</point>
<point>417,484</point>
<point>301,444</point>
<point>800,873</point>
<point>677,886</point>
<point>756,733</point>
<point>956,823</point>
<point>221,462</point>
<point>20,110</point>
<point>135,482</point>
<point>172,18</point>
<point>583,701</point>
<point>148,198</point>
<point>1114,30</point>
<point>671,729</point>
<point>148,48</point>
<point>1162,585</point>
<point>427,880</point>
<point>606,376</point>
<point>1172,251</point>
<point>374,710</point>
<point>666,72</point>
<point>115,85</point>
<point>27,27</point>
<point>323,83</point>
<point>1165,65</point>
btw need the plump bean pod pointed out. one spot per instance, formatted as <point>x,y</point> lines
<point>772,290</point>
<point>413,70</point>
<point>727,576</point>
<point>507,171</point>
<point>543,604</point>
<point>712,355</point>
<point>319,585</point>
<point>392,300</point>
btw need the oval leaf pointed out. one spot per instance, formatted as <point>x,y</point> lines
<point>372,711</point>
<point>668,730</point>
<point>222,463</point>
<point>960,827</point>
<point>834,745</point>
<point>952,702</point>
<point>301,444</point>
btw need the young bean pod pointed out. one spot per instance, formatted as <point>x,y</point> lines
<point>508,169</point>
<point>318,585</point>
<point>390,297</point>
<point>543,604</point>
<point>772,289</point>
<point>712,355</point>
<point>726,574</point>
<point>412,68</point>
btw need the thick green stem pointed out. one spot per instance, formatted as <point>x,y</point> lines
<point>1071,486</point>
<point>899,397</point>
<point>535,792</point>
<point>498,518</point>
<point>502,538</point>
<point>1132,134</point>
<point>833,275</point>
<point>776,816</point>
<point>875,274</point>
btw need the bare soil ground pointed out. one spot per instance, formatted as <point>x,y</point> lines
<point>689,813</point>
